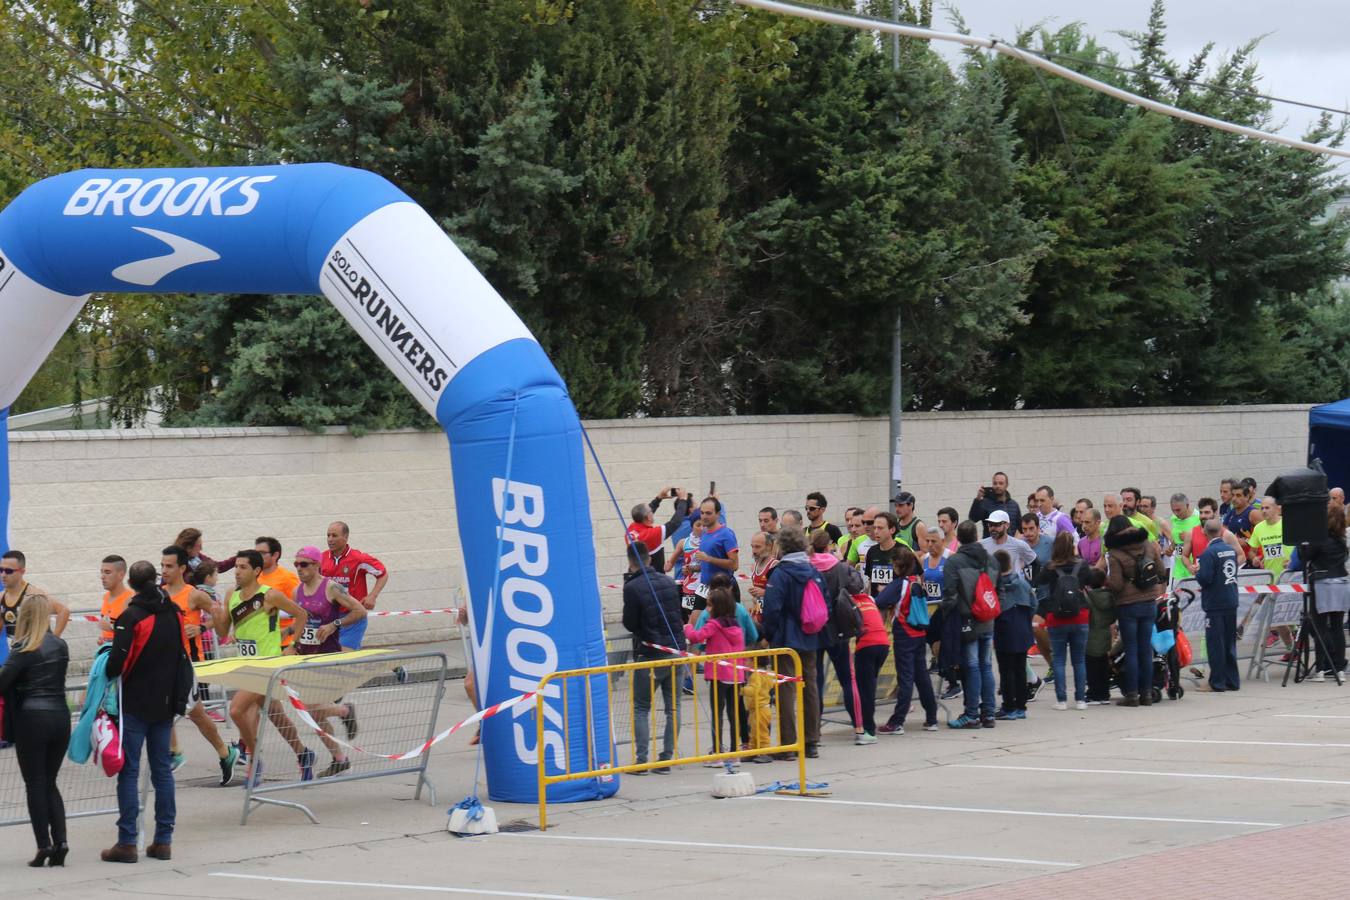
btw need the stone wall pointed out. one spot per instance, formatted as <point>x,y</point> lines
<point>79,495</point>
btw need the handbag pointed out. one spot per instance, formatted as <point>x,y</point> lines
<point>1183,648</point>
<point>918,610</point>
<point>107,738</point>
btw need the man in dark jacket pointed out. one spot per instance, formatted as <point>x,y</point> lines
<point>962,570</point>
<point>148,652</point>
<point>1217,576</point>
<point>651,612</point>
<point>995,497</point>
<point>782,627</point>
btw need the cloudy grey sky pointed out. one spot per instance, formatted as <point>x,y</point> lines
<point>1304,56</point>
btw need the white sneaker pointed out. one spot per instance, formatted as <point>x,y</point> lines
<point>1081,704</point>
<point>1060,704</point>
<point>1318,676</point>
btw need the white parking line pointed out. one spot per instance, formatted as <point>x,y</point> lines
<point>1024,812</point>
<point>1237,743</point>
<point>434,888</point>
<point>1307,716</point>
<point>1150,774</point>
<point>792,851</point>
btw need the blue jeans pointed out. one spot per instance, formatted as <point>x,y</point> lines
<point>911,671</point>
<point>1136,633</point>
<point>1069,641</point>
<point>154,737</point>
<point>977,676</point>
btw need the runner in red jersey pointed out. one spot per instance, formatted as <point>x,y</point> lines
<point>350,568</point>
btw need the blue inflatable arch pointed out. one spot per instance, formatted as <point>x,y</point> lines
<point>430,316</point>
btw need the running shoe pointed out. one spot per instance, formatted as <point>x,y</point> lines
<point>964,721</point>
<point>661,770</point>
<point>228,765</point>
<point>176,761</point>
<point>987,722</point>
<point>1018,714</point>
<point>862,740</point>
<point>1061,705</point>
<point>349,721</point>
<point>952,692</point>
<point>215,716</point>
<point>888,728</point>
<point>638,772</point>
<point>243,751</point>
<point>1081,704</point>
<point>1034,689</point>
<point>1271,638</point>
<point>930,726</point>
<point>1001,714</point>
<point>306,761</point>
<point>337,768</point>
<point>1318,676</point>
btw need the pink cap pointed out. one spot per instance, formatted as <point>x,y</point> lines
<point>309,553</point>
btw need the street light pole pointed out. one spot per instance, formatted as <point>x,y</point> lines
<point>894,476</point>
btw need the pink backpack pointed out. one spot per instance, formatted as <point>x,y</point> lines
<point>108,744</point>
<point>815,614</point>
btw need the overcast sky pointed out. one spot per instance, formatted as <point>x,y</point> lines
<point>1304,56</point>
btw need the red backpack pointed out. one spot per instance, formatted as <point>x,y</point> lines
<point>984,606</point>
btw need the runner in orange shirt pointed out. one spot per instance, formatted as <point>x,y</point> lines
<point>284,580</point>
<point>173,569</point>
<point>113,574</point>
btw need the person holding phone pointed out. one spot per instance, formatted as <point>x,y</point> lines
<point>994,498</point>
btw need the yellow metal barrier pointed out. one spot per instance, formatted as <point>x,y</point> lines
<point>776,675</point>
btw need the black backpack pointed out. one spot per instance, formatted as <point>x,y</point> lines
<point>1066,596</point>
<point>1147,572</point>
<point>846,621</point>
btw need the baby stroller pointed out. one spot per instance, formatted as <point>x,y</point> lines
<point>1166,666</point>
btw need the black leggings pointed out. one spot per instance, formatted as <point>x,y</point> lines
<point>41,738</point>
<point>1331,654</point>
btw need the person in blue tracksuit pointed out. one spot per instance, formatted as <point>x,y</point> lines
<point>1217,575</point>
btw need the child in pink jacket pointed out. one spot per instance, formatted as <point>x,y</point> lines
<point>721,634</point>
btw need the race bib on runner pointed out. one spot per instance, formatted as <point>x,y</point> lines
<point>881,575</point>
<point>701,590</point>
<point>687,601</point>
<point>1274,551</point>
<point>248,648</point>
<point>933,590</point>
<point>310,636</point>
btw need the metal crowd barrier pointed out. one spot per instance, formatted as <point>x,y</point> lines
<point>1250,611</point>
<point>775,672</point>
<point>393,713</point>
<point>85,790</point>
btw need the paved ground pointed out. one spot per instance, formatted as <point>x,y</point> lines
<point>1081,804</point>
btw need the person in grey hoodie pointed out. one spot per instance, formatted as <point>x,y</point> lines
<point>962,570</point>
<point>782,627</point>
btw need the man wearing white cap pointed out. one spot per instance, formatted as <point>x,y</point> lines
<point>1000,539</point>
<point>1022,555</point>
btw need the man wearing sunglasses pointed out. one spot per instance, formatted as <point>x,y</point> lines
<point>815,517</point>
<point>13,567</point>
<point>330,608</point>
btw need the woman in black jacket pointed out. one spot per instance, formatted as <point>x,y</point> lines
<point>34,679</point>
<point>1325,567</point>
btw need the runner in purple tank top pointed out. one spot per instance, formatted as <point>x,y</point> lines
<point>330,608</point>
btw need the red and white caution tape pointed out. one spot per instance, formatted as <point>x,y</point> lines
<point>1274,589</point>
<point>619,587</point>
<point>83,617</point>
<point>781,679</point>
<point>298,705</point>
